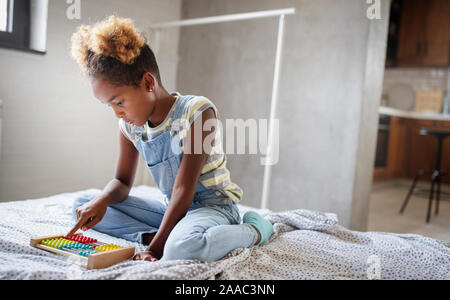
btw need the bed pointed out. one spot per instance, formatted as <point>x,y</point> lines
<point>306,245</point>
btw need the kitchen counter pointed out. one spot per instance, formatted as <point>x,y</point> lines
<point>383,110</point>
<point>402,151</point>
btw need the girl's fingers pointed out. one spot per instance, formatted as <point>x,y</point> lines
<point>91,222</point>
<point>81,224</point>
<point>77,226</point>
<point>144,256</point>
<point>137,257</point>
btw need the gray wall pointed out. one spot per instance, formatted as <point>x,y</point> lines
<point>57,137</point>
<point>325,141</point>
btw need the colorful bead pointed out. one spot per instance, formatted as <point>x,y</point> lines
<point>86,253</point>
<point>78,242</point>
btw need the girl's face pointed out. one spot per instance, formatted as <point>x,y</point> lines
<point>133,104</point>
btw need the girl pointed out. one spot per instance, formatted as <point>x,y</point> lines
<point>199,218</point>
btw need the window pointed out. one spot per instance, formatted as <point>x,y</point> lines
<point>4,14</point>
<point>16,18</point>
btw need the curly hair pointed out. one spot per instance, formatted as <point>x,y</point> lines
<point>115,50</point>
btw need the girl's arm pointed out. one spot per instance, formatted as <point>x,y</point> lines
<point>117,190</point>
<point>185,184</point>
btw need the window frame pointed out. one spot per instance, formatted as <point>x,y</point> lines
<point>19,37</point>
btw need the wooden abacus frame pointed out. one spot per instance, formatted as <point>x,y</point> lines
<point>93,261</point>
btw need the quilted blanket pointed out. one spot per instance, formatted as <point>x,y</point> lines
<point>306,245</point>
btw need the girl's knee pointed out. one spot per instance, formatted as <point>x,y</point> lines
<point>193,247</point>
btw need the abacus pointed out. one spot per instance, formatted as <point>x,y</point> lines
<point>84,251</point>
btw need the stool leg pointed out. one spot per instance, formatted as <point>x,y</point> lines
<point>431,200</point>
<point>438,196</point>
<point>411,190</point>
<point>435,178</point>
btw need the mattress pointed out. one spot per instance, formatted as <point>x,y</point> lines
<point>306,245</point>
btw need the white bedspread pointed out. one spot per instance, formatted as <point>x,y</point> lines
<point>306,245</point>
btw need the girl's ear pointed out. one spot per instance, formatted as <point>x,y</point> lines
<point>148,82</point>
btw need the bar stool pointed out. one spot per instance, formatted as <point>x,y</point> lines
<point>436,174</point>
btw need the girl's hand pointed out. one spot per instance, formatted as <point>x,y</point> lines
<point>89,214</point>
<point>146,255</point>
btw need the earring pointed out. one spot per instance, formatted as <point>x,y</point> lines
<point>151,90</point>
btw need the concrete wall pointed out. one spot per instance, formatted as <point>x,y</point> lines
<point>57,137</point>
<point>368,120</point>
<point>323,96</point>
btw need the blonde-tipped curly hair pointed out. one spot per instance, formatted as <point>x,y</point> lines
<point>115,50</point>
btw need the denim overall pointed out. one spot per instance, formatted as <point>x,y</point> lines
<point>163,155</point>
<point>210,229</point>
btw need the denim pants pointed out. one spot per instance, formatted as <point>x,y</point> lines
<point>210,229</point>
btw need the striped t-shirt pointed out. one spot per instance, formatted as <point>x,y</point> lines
<point>214,173</point>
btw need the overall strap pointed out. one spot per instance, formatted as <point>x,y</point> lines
<point>178,122</point>
<point>181,107</point>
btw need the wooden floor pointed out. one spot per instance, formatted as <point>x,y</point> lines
<point>386,201</point>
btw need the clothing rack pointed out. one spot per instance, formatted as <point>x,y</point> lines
<point>1,116</point>
<point>281,13</point>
